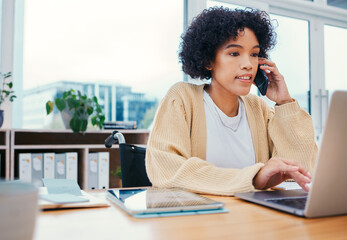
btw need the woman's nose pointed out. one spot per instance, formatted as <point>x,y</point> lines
<point>246,63</point>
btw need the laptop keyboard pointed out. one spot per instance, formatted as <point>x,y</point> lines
<point>298,202</point>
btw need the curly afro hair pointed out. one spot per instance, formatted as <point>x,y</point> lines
<point>213,28</point>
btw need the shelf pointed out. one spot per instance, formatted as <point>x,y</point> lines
<point>4,154</point>
<point>34,141</point>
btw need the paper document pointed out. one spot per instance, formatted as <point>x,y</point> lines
<point>63,198</point>
<point>287,186</point>
<point>58,186</point>
<point>65,193</point>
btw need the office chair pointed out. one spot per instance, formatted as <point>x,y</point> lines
<point>132,160</point>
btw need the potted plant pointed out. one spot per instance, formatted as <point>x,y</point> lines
<point>118,174</point>
<point>6,92</point>
<point>77,109</point>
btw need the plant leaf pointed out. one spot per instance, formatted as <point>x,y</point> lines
<point>71,103</point>
<point>60,103</point>
<point>74,124</point>
<point>93,120</point>
<point>84,124</point>
<point>49,107</point>
<point>90,110</point>
<point>12,98</point>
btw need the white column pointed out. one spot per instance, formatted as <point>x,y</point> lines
<point>113,103</point>
<point>319,105</point>
<point>7,40</point>
<point>106,104</point>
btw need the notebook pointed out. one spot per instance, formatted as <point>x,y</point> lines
<point>328,191</point>
<point>160,202</point>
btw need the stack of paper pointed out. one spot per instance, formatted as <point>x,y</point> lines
<point>65,193</point>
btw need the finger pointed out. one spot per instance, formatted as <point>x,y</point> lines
<point>266,61</point>
<point>305,173</point>
<point>302,180</point>
<point>269,69</point>
<point>301,168</point>
<point>284,168</point>
<point>279,165</point>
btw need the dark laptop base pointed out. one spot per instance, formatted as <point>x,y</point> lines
<point>265,198</point>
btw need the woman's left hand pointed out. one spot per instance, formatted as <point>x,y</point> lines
<point>277,90</point>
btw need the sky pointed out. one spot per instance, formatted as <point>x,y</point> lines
<point>103,40</point>
<point>137,43</point>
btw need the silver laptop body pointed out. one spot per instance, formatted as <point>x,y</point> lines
<point>328,192</point>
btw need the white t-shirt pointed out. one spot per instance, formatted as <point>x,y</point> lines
<point>229,139</point>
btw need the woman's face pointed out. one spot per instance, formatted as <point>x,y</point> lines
<point>236,64</point>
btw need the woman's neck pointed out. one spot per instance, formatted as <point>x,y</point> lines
<point>226,102</point>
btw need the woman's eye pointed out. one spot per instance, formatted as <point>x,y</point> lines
<point>234,54</point>
<point>255,54</point>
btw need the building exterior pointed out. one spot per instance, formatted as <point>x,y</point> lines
<point>119,103</point>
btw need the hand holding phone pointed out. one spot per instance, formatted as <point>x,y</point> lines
<point>261,81</point>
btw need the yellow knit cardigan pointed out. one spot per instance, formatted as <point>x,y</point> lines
<point>176,149</point>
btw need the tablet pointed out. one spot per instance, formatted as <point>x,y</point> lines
<point>160,200</point>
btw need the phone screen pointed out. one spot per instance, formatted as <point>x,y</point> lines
<point>261,81</point>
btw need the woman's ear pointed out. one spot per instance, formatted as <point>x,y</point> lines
<point>209,66</point>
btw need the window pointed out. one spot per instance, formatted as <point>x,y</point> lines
<point>148,37</point>
<point>125,53</point>
<point>335,50</point>
<point>338,3</point>
<point>0,29</point>
<point>291,55</point>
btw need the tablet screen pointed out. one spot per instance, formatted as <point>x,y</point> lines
<point>162,198</point>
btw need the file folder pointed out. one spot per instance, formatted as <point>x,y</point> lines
<point>71,165</point>
<point>37,169</point>
<point>60,166</point>
<point>25,167</point>
<point>103,171</point>
<point>92,170</point>
<point>49,165</point>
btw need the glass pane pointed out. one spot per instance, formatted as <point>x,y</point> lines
<point>123,52</point>
<point>338,3</point>
<point>335,51</point>
<point>211,3</point>
<point>291,56</point>
<point>0,32</point>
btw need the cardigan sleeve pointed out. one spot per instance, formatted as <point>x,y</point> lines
<point>169,162</point>
<point>292,134</point>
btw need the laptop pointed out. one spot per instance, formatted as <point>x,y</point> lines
<point>162,202</point>
<point>328,191</point>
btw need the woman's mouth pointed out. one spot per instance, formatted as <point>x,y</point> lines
<point>244,78</point>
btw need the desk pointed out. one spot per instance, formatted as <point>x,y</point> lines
<point>244,221</point>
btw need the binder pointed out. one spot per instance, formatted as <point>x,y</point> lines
<point>92,170</point>
<point>103,171</point>
<point>37,169</point>
<point>49,165</point>
<point>71,165</point>
<point>60,165</point>
<point>25,167</point>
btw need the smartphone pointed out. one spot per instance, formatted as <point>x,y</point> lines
<point>261,81</point>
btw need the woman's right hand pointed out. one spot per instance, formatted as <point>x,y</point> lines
<point>277,170</point>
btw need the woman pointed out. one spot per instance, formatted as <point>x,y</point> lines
<point>217,138</point>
